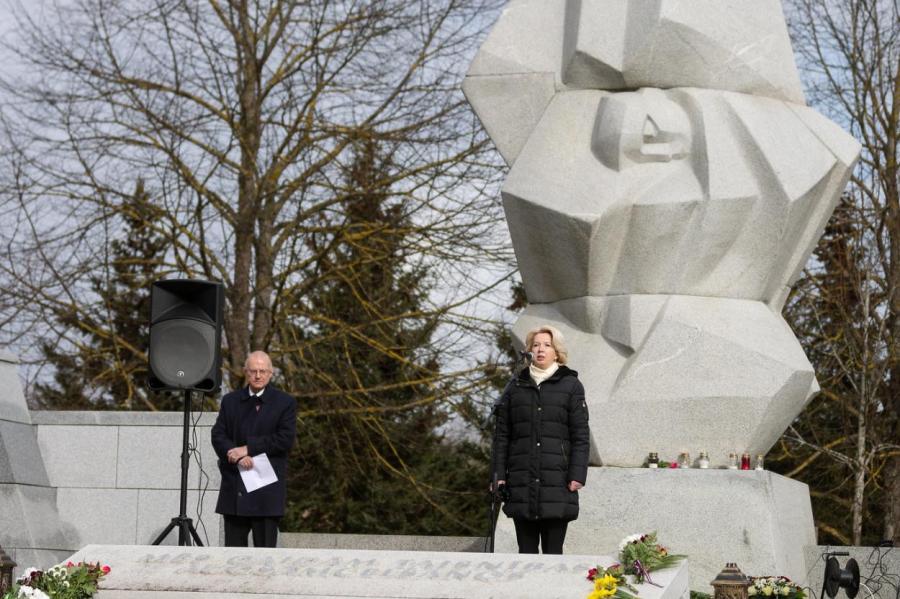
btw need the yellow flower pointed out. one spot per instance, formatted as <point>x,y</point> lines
<point>767,590</point>
<point>604,587</point>
<point>606,581</point>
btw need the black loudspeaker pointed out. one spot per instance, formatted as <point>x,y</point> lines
<point>186,335</point>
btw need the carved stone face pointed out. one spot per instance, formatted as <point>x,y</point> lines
<point>643,127</point>
<point>686,191</point>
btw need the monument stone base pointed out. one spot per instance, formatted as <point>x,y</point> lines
<point>758,519</point>
<point>140,572</point>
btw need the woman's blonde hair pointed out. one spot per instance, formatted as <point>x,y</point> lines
<point>556,340</point>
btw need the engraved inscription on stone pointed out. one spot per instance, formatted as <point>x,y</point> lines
<point>186,564</point>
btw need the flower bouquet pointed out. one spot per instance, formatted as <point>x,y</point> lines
<point>777,587</point>
<point>640,554</point>
<point>72,581</point>
<point>610,582</point>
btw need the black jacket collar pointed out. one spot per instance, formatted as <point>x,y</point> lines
<point>562,371</point>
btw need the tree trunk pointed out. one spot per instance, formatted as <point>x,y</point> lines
<point>891,531</point>
<point>860,465</point>
<point>248,136</point>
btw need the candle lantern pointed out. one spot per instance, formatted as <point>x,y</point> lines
<point>731,583</point>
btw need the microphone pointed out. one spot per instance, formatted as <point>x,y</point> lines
<point>527,356</point>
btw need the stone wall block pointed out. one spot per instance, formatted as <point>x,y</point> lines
<point>150,457</point>
<point>79,456</point>
<point>99,515</point>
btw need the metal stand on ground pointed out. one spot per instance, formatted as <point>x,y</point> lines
<point>186,530</point>
<point>494,509</point>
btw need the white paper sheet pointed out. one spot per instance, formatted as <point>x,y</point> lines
<point>260,475</point>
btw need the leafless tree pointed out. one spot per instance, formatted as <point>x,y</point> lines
<point>846,307</point>
<point>240,118</point>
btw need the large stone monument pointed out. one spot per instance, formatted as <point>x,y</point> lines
<point>667,183</point>
<point>30,528</point>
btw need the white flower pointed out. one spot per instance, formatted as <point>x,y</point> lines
<point>785,590</point>
<point>33,593</point>
<point>629,539</point>
<point>752,590</point>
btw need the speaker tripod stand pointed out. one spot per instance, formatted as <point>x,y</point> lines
<point>186,530</point>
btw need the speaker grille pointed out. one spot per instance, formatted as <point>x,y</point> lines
<point>182,352</point>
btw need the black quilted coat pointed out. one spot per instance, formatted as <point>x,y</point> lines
<point>542,443</point>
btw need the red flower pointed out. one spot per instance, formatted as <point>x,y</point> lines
<point>673,465</point>
<point>70,565</point>
<point>591,574</point>
<point>105,569</point>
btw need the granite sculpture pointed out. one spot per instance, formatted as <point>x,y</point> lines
<point>667,184</point>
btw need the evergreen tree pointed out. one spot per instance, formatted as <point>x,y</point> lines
<point>370,456</point>
<point>105,366</point>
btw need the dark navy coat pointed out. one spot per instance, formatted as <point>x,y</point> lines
<point>270,430</point>
<point>542,443</point>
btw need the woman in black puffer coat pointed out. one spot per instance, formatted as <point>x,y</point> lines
<point>542,444</point>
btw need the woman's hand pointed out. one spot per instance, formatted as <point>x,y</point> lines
<point>574,485</point>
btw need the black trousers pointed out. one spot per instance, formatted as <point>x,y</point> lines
<point>265,531</point>
<point>550,533</point>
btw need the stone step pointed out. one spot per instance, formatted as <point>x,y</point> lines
<point>140,572</point>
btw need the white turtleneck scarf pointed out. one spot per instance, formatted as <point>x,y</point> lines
<point>539,375</point>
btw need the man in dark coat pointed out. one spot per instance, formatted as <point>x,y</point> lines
<point>254,420</point>
<point>542,445</point>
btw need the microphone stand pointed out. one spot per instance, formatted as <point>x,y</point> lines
<point>495,493</point>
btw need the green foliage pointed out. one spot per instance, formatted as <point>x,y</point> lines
<point>72,581</point>
<point>370,455</point>
<point>649,552</point>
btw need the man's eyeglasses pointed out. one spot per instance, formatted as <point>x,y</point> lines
<point>257,372</point>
